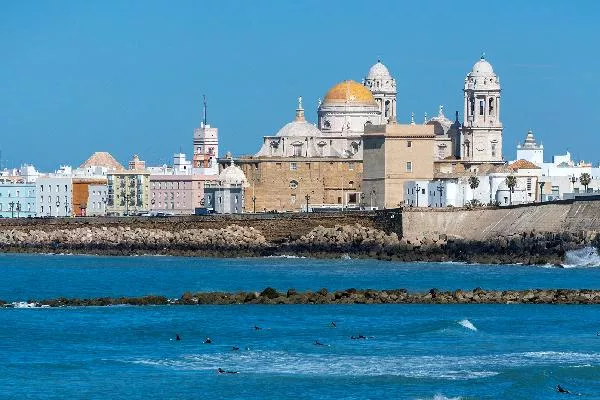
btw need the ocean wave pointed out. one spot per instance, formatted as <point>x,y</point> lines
<point>452,368</point>
<point>467,324</point>
<point>582,258</point>
<point>285,256</point>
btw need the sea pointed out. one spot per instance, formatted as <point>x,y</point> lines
<point>292,351</point>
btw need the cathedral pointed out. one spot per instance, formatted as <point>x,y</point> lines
<point>320,163</point>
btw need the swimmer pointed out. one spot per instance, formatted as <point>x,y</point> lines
<point>207,341</point>
<point>177,337</point>
<point>235,348</point>
<point>317,343</point>
<point>257,328</point>
<point>222,371</point>
<point>561,389</point>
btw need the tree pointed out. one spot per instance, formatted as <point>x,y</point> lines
<point>511,182</point>
<point>474,184</point>
<point>585,180</point>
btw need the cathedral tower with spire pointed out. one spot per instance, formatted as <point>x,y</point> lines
<point>481,136</point>
<point>383,86</point>
<point>206,147</point>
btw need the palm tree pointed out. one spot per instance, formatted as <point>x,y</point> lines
<point>474,184</point>
<point>511,182</point>
<point>585,180</point>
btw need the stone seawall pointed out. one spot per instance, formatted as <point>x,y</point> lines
<point>484,223</point>
<point>349,296</point>
<point>536,234</point>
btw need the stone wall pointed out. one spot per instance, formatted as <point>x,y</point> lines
<point>483,223</point>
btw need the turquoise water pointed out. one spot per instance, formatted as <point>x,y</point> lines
<point>412,351</point>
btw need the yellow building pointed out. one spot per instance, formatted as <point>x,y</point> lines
<point>394,154</point>
<point>283,183</point>
<point>128,191</point>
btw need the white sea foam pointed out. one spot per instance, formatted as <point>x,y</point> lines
<point>285,256</point>
<point>450,368</point>
<point>23,304</point>
<point>467,324</point>
<point>586,257</point>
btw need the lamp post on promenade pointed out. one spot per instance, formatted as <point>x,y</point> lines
<point>440,188</point>
<point>418,188</point>
<point>307,197</point>
<point>12,209</point>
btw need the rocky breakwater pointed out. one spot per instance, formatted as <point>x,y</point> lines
<point>233,240</point>
<point>528,247</point>
<point>348,296</point>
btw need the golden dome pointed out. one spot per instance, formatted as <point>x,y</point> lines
<point>350,91</point>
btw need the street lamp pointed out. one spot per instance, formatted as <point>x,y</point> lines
<point>573,180</point>
<point>372,194</point>
<point>254,204</point>
<point>440,188</point>
<point>541,190</point>
<point>12,209</point>
<point>307,197</point>
<point>418,188</point>
<point>18,209</point>
<point>57,205</point>
<point>362,201</point>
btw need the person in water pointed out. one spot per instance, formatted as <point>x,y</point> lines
<point>257,328</point>
<point>317,343</point>
<point>333,325</point>
<point>177,337</point>
<point>207,341</point>
<point>222,371</point>
<point>561,389</point>
<point>235,348</point>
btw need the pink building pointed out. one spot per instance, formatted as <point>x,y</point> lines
<point>177,194</point>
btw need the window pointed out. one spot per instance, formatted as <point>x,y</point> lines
<point>293,184</point>
<point>409,143</point>
<point>350,166</point>
<point>41,188</point>
<point>493,149</point>
<point>408,166</point>
<point>528,183</point>
<point>293,166</point>
<point>481,107</point>
<point>298,150</point>
<point>491,106</point>
<point>293,199</point>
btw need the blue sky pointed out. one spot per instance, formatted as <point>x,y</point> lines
<point>128,76</point>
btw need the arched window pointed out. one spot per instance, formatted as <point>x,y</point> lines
<point>491,106</point>
<point>481,106</point>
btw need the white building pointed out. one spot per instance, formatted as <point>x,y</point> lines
<point>97,199</point>
<point>457,192</point>
<point>54,196</point>
<point>530,150</point>
<point>481,139</point>
<point>226,194</point>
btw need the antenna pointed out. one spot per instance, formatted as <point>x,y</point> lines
<point>204,97</point>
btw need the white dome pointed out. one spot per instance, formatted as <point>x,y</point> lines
<point>233,175</point>
<point>299,128</point>
<point>379,71</point>
<point>482,68</point>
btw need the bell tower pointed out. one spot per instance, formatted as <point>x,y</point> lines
<point>206,147</point>
<point>481,135</point>
<point>380,82</point>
